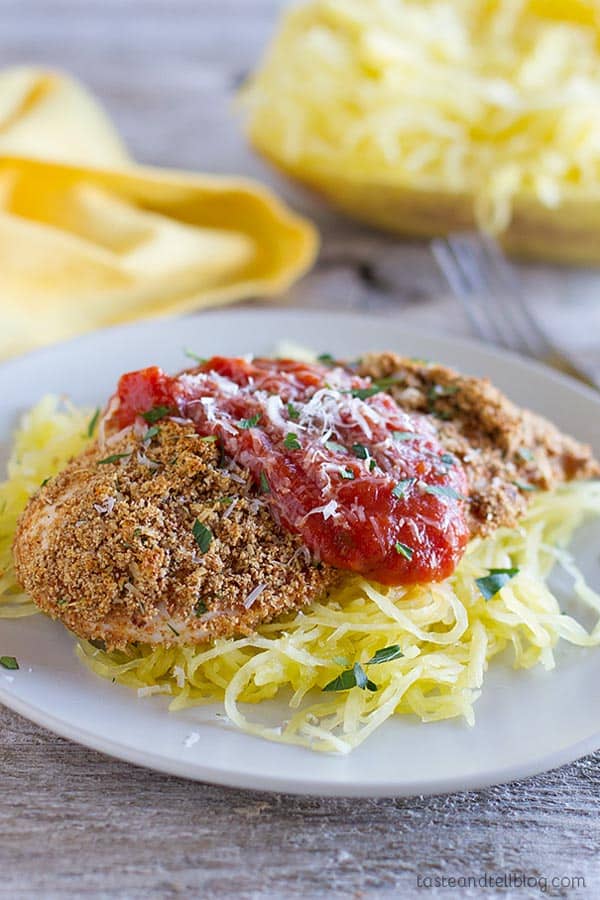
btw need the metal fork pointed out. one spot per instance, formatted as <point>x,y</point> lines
<point>492,296</point>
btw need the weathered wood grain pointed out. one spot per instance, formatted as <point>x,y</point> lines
<point>74,823</point>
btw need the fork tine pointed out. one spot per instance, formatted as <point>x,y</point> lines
<point>490,292</point>
<point>460,283</point>
<point>476,282</point>
<point>497,292</point>
<point>486,292</point>
<point>515,301</point>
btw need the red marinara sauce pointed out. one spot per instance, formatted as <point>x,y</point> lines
<point>367,486</point>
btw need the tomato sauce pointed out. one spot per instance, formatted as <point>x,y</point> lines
<point>366,485</point>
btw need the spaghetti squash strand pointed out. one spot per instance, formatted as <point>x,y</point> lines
<point>446,633</point>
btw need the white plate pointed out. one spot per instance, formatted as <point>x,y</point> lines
<point>527,722</point>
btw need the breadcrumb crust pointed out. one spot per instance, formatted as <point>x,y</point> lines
<point>109,548</point>
<point>170,543</point>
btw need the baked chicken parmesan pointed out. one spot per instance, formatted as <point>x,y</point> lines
<point>270,506</point>
<point>215,500</point>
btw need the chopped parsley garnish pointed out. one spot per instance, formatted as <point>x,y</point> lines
<point>525,453</point>
<point>156,413</point>
<point>347,474</point>
<point>442,490</point>
<point>403,435</point>
<point>354,677</point>
<point>9,662</point>
<point>365,393</point>
<point>249,423</point>
<point>191,355</point>
<point>115,457</point>
<point>98,643</point>
<point>137,532</point>
<point>93,422</point>
<point>293,412</point>
<point>525,487</point>
<point>291,441</point>
<point>151,433</point>
<point>325,358</point>
<point>335,447</point>
<point>225,500</point>
<point>45,481</point>
<point>437,391</point>
<point>372,464</point>
<point>360,451</point>
<point>386,654</point>
<point>402,487</point>
<point>203,535</point>
<point>264,484</point>
<point>208,439</point>
<point>404,550</point>
<point>200,608</point>
<point>494,581</point>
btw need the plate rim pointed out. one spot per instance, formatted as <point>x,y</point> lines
<point>190,768</point>
<point>192,771</point>
<point>468,342</point>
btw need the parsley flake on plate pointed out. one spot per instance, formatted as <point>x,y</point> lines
<point>191,355</point>
<point>494,581</point>
<point>249,423</point>
<point>386,654</point>
<point>151,416</point>
<point>293,412</point>
<point>9,662</point>
<point>442,490</point>
<point>291,441</point>
<point>151,433</point>
<point>93,422</point>
<point>360,451</point>
<point>115,457</point>
<point>202,535</point>
<point>402,487</point>
<point>354,677</point>
<point>365,393</point>
<point>404,550</point>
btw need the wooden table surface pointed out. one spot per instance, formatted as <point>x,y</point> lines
<point>74,823</point>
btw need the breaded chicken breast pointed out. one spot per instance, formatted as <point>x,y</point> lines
<point>507,453</point>
<point>159,538</point>
<point>155,541</point>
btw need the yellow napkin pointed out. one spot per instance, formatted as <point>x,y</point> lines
<point>88,238</point>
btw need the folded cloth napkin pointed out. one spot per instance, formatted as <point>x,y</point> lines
<point>88,238</point>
